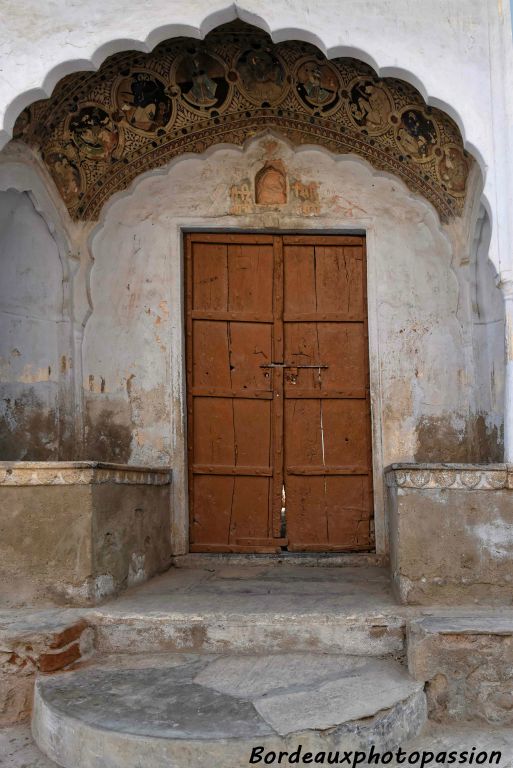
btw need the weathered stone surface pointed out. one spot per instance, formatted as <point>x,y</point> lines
<point>19,750</point>
<point>257,676</point>
<point>256,608</point>
<point>451,533</point>
<point>468,666</point>
<point>76,532</point>
<point>352,693</point>
<point>48,641</point>
<point>157,711</point>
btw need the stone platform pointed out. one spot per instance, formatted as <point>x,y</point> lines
<point>200,709</point>
<point>256,608</point>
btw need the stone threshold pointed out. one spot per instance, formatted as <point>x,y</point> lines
<point>23,473</point>
<point>307,559</point>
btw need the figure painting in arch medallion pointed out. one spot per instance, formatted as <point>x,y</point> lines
<point>142,99</point>
<point>140,111</point>
<point>262,76</point>
<point>94,133</point>
<point>202,81</point>
<point>417,135</point>
<point>370,106</point>
<point>317,85</point>
<point>279,437</point>
<point>65,173</point>
<point>453,169</point>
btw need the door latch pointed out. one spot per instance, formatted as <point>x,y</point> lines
<point>292,365</point>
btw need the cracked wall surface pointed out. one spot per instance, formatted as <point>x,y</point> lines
<point>435,314</point>
<point>34,363</point>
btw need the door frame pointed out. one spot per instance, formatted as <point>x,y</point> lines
<point>177,363</point>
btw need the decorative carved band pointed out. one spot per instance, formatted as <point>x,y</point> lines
<point>467,477</point>
<point>100,130</point>
<point>20,473</point>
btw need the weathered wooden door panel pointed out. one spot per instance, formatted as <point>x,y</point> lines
<point>230,398</point>
<point>327,513</point>
<point>278,399</point>
<point>327,419</point>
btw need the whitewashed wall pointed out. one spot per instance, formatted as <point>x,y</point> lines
<point>432,393</point>
<point>31,304</point>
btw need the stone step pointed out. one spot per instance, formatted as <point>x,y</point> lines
<point>302,559</point>
<point>256,609</point>
<point>245,632</point>
<point>205,709</point>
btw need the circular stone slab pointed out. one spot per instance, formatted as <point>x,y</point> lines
<point>194,710</point>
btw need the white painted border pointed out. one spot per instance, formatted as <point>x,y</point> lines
<point>248,224</point>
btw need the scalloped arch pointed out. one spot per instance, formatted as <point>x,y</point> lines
<point>141,109</point>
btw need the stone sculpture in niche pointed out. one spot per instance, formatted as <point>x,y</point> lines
<point>271,184</point>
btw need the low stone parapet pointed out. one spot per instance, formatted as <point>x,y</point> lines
<point>74,533</point>
<point>467,665</point>
<point>451,532</point>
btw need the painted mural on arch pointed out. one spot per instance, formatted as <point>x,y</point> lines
<point>100,130</point>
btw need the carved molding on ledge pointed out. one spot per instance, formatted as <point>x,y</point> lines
<point>23,473</point>
<point>466,477</point>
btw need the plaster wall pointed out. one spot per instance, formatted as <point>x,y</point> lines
<point>423,368</point>
<point>486,307</point>
<point>31,319</point>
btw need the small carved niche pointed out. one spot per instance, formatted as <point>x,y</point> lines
<point>271,184</point>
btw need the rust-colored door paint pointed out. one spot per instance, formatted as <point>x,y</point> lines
<point>278,399</point>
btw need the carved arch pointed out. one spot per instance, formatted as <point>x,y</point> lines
<point>101,130</point>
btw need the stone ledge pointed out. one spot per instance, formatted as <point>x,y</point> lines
<point>467,477</point>
<point>462,625</point>
<point>20,473</point>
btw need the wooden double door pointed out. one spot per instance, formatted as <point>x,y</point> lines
<point>279,435</point>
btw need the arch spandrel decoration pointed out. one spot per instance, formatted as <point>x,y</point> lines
<point>100,130</point>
